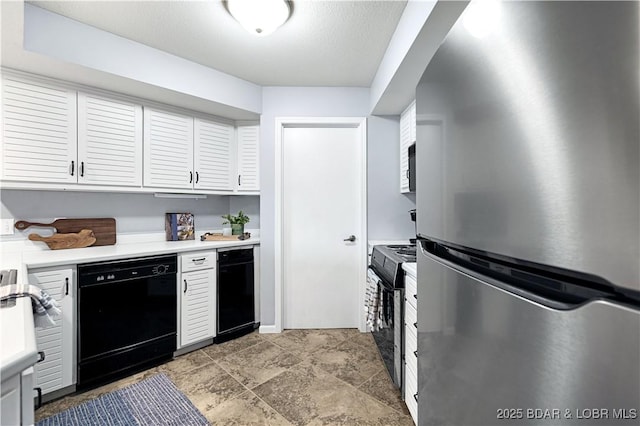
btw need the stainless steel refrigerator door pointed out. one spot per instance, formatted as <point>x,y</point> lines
<point>528,135</point>
<point>487,357</point>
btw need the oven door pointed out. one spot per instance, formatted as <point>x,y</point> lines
<point>388,337</point>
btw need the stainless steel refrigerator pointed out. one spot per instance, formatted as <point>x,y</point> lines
<point>528,217</point>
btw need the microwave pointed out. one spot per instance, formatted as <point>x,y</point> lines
<point>412,167</point>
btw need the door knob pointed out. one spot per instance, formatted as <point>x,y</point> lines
<point>351,238</point>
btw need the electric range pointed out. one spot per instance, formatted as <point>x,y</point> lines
<point>387,277</point>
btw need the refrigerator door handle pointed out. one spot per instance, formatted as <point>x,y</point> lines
<point>556,289</point>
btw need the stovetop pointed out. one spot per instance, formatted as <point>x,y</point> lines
<point>387,260</point>
<point>406,252</point>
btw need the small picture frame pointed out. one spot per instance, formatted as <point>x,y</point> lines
<point>179,226</point>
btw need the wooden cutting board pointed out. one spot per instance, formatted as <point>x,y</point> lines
<point>219,237</point>
<point>104,229</point>
<point>84,238</point>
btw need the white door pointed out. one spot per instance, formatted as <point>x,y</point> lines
<point>322,205</point>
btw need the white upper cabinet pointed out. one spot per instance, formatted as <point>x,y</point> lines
<point>213,146</point>
<point>168,150</point>
<point>407,137</point>
<point>109,141</point>
<point>38,132</point>
<point>248,158</point>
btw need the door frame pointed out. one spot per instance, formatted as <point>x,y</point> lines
<point>282,123</point>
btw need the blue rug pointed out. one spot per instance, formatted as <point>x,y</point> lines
<point>152,402</point>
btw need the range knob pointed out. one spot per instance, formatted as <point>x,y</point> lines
<point>160,269</point>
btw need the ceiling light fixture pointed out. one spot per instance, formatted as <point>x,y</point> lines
<point>260,17</point>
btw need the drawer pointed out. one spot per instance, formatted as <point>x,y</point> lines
<point>410,290</point>
<point>198,260</point>
<point>410,316</point>
<point>411,390</point>
<point>410,348</point>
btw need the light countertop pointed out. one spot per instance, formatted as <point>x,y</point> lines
<point>45,258</point>
<point>410,268</point>
<point>18,349</point>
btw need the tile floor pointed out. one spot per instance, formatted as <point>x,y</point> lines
<point>298,377</point>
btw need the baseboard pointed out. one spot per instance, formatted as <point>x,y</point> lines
<point>268,329</point>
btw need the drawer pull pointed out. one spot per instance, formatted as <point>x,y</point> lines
<point>415,396</point>
<point>40,356</point>
<point>39,403</point>
<point>200,260</point>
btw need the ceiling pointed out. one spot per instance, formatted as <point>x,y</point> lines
<point>324,43</point>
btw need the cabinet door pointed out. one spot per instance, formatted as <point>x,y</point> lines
<point>109,141</point>
<point>57,342</point>
<point>38,132</point>
<point>248,158</point>
<point>407,121</point>
<point>198,306</point>
<point>168,150</point>
<point>213,144</point>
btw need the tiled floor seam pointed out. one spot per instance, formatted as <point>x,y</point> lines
<point>378,399</point>
<point>269,405</point>
<point>363,392</point>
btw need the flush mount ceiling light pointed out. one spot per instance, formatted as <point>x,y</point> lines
<point>259,17</point>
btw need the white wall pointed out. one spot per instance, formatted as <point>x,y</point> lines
<point>59,37</point>
<point>134,213</point>
<point>250,205</point>
<point>388,217</point>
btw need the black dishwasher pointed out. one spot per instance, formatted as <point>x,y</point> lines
<point>236,296</point>
<point>127,317</point>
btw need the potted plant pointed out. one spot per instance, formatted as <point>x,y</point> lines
<point>237,222</point>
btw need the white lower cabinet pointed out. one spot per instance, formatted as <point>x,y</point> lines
<point>411,346</point>
<point>58,342</point>
<point>197,297</point>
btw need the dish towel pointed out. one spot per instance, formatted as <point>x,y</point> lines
<point>45,308</point>
<point>373,302</point>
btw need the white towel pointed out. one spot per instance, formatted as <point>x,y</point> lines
<point>373,302</point>
<point>45,308</point>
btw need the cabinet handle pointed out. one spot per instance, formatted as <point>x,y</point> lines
<point>73,167</point>
<point>82,169</point>
<point>407,174</point>
<point>415,396</point>
<point>415,353</point>
<point>415,324</point>
<point>185,286</point>
<point>197,177</point>
<point>190,177</point>
<point>415,296</point>
<point>66,286</point>
<point>239,180</point>
<point>41,356</point>
<point>39,403</point>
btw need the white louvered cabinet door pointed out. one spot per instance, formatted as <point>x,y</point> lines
<point>198,306</point>
<point>57,342</point>
<point>248,158</point>
<point>407,137</point>
<point>38,132</point>
<point>109,141</point>
<point>213,144</point>
<point>168,150</point>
